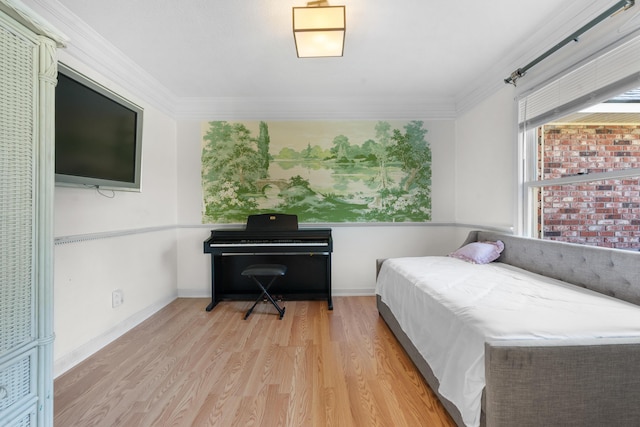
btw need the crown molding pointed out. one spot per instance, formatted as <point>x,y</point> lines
<point>91,49</point>
<point>87,46</point>
<point>27,17</point>
<point>309,108</point>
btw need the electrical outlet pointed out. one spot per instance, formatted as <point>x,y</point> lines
<point>117,298</point>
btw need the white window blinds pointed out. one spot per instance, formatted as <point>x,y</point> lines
<point>605,77</point>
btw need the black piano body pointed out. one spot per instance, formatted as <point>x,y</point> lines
<point>306,252</point>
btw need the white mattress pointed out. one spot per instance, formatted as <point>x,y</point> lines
<point>449,308</point>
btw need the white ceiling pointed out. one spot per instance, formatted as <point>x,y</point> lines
<point>430,49</point>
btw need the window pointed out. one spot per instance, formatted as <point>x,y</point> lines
<point>583,177</point>
<point>579,142</point>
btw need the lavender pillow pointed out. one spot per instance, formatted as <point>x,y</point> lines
<point>479,252</point>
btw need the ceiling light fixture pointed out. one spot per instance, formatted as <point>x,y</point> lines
<point>319,29</point>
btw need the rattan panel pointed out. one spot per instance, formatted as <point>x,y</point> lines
<point>17,93</point>
<point>26,419</point>
<point>16,380</point>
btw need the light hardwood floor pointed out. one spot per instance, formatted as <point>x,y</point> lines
<point>315,367</point>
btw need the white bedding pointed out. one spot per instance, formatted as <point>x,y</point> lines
<point>449,308</point>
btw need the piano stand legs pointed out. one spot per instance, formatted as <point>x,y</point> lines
<point>265,289</point>
<point>211,305</point>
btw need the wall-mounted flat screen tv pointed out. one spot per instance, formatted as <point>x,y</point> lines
<point>98,135</point>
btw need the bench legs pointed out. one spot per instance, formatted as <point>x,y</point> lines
<point>265,293</point>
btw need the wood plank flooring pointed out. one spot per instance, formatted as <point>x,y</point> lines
<point>188,367</point>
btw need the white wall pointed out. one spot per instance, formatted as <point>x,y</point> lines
<point>356,247</point>
<point>143,265</point>
<point>485,161</point>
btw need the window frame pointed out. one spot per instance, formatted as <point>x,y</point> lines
<point>603,77</point>
<point>532,217</point>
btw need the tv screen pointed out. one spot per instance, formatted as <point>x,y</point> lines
<point>98,135</point>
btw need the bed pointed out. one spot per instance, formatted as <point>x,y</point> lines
<point>547,334</point>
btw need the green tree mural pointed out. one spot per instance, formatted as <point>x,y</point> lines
<point>413,198</point>
<point>340,148</point>
<point>414,154</point>
<point>230,166</point>
<point>263,148</point>
<point>380,151</point>
<point>385,177</point>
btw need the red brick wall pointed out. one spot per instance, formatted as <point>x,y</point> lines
<point>604,213</point>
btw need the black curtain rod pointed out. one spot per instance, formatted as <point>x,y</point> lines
<point>623,4</point>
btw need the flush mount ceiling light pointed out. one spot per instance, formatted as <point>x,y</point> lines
<point>318,29</point>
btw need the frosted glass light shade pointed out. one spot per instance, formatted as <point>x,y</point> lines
<point>319,31</point>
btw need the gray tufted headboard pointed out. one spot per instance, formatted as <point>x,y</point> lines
<point>611,272</point>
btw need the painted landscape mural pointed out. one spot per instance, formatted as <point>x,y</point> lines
<point>324,172</point>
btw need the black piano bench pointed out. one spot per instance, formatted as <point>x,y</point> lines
<point>265,270</point>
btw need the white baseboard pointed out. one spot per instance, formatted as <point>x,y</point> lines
<point>194,293</point>
<point>197,293</point>
<point>68,361</point>
<point>353,292</point>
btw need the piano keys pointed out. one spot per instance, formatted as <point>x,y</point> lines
<point>306,252</point>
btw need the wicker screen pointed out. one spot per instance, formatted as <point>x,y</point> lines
<point>17,92</point>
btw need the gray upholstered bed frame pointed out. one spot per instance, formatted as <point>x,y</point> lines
<point>556,382</point>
